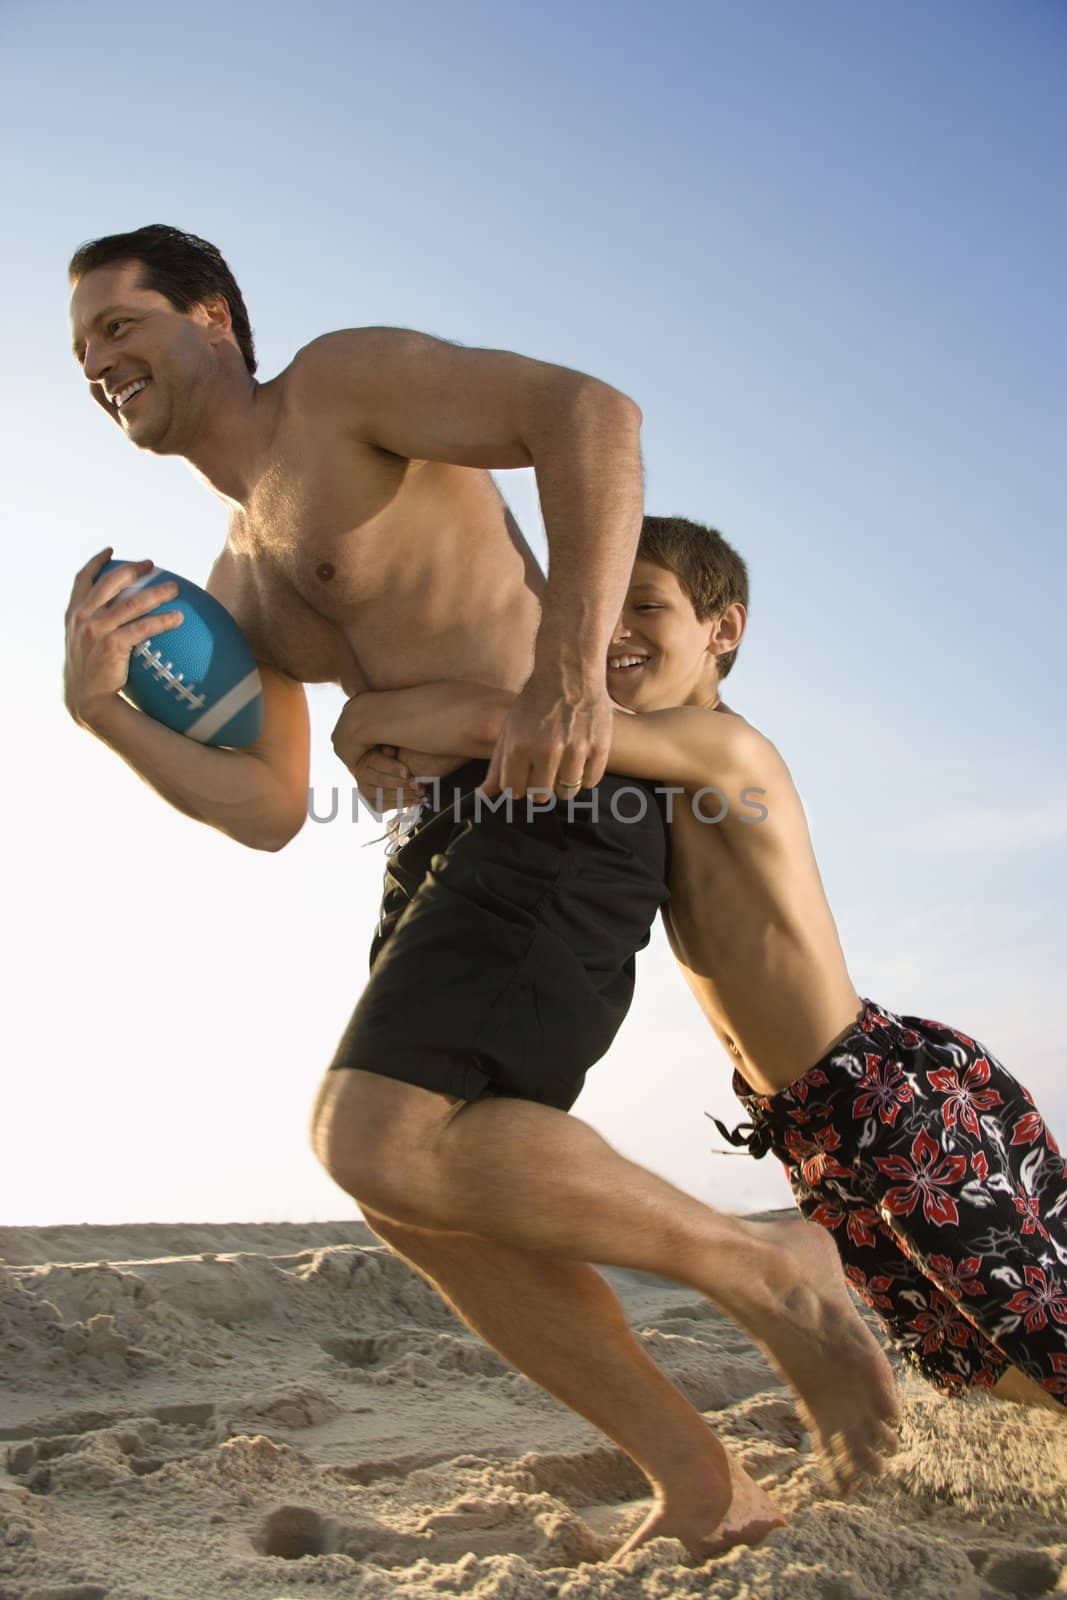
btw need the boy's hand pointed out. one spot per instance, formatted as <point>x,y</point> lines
<point>423,765</point>
<point>382,781</point>
<point>349,743</point>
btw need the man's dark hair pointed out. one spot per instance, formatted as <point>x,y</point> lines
<point>186,269</point>
<point>710,572</point>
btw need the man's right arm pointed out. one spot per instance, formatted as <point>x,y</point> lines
<point>257,796</point>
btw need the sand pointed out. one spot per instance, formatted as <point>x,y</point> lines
<point>277,1411</point>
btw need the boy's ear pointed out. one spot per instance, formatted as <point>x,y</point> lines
<point>727,629</point>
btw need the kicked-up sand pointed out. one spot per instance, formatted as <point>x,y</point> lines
<point>264,1412</point>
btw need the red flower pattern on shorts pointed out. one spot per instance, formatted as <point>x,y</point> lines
<point>884,1089</point>
<point>815,1079</point>
<point>860,1224</point>
<point>871,1019</point>
<point>964,1100</point>
<point>1040,1300</point>
<point>923,1178</point>
<point>1028,1128</point>
<point>814,1155</point>
<point>874,1290</point>
<point>939,1322</point>
<point>1058,1385</point>
<point>957,1278</point>
<point>1027,1207</point>
<point>948,1205</point>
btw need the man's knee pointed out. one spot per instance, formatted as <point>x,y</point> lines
<point>404,1239</point>
<point>372,1133</point>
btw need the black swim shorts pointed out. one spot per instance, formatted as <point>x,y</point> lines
<point>503,963</point>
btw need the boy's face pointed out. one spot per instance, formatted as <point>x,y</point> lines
<point>660,654</point>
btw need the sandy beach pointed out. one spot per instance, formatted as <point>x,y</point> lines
<point>259,1411</point>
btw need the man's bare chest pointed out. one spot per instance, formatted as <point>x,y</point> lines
<point>310,552</point>
<point>322,519</point>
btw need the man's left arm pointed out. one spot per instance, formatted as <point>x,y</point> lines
<point>427,400</point>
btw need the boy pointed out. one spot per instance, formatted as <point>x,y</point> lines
<point>942,1187</point>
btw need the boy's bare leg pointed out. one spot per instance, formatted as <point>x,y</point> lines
<point>1015,1385</point>
<point>561,1324</point>
<point>537,1179</point>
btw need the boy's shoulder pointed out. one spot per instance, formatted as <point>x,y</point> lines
<point>723,729</point>
<point>694,745</point>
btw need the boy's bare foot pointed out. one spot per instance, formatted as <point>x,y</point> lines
<point>749,1516</point>
<point>800,1311</point>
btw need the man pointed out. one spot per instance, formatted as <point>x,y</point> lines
<point>368,546</point>
<point>928,1162</point>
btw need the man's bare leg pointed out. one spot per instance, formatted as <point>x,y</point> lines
<point>538,1179</point>
<point>561,1324</point>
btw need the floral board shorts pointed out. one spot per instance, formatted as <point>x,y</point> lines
<point>944,1190</point>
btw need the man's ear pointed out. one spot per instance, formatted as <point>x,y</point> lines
<point>214,314</point>
<point>727,630</point>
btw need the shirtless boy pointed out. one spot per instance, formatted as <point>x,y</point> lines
<point>368,545</point>
<point>940,1183</point>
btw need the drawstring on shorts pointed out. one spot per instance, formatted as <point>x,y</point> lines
<point>749,1138</point>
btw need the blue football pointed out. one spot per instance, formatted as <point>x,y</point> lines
<point>199,678</point>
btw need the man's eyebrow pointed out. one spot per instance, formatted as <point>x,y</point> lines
<point>646,588</point>
<point>108,311</point>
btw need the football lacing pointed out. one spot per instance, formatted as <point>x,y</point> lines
<point>152,661</point>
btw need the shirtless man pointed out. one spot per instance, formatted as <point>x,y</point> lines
<point>907,1140</point>
<point>367,545</point>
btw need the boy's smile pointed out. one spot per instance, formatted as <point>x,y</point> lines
<point>660,654</point>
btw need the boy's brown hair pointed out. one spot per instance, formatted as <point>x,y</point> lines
<point>710,572</point>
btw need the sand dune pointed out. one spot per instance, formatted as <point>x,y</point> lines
<point>258,1411</point>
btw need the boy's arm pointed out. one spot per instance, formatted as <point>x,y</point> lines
<point>452,717</point>
<point>687,745</point>
<point>684,744</point>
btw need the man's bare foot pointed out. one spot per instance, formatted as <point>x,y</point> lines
<point>749,1517</point>
<point>801,1313</point>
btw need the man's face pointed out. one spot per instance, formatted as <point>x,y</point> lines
<point>142,357</point>
<point>659,653</point>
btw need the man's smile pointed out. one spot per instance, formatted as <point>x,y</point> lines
<point>123,396</point>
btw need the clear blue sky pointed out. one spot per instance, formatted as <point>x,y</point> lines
<point>822,245</point>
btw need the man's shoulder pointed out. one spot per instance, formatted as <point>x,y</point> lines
<point>349,354</point>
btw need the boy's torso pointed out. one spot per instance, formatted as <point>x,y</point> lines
<point>350,565</point>
<point>750,926</point>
